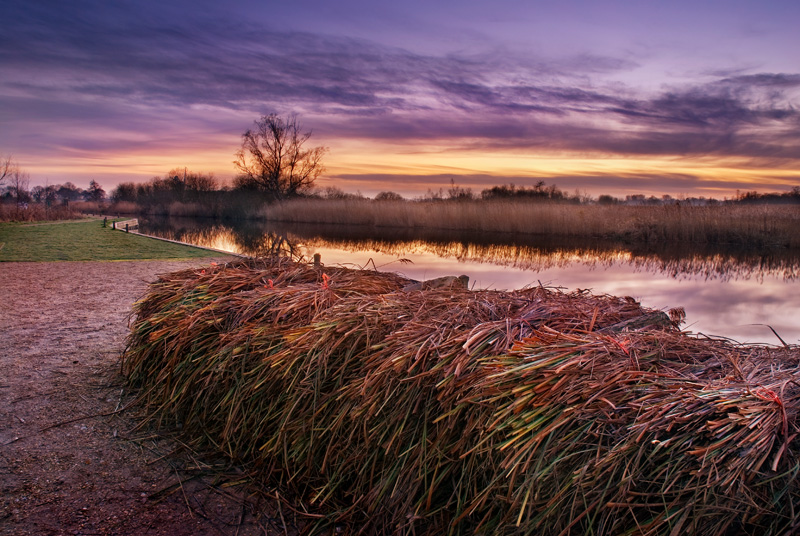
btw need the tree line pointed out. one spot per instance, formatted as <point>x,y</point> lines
<point>274,163</point>
<point>15,188</point>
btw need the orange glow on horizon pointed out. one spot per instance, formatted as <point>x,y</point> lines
<point>424,160</point>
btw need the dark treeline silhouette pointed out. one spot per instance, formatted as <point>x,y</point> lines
<point>52,194</point>
<point>182,192</point>
<point>19,202</point>
<point>187,193</point>
<point>790,197</point>
<point>540,191</point>
<point>179,185</point>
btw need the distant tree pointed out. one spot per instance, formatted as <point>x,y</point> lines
<point>44,194</point>
<point>273,158</point>
<point>7,168</point>
<point>457,193</point>
<point>334,192</point>
<point>125,191</point>
<point>95,192</point>
<point>432,195</point>
<point>536,192</point>
<point>68,192</point>
<point>194,182</point>
<point>16,178</point>
<point>606,199</point>
<point>18,182</point>
<point>37,193</point>
<point>388,196</point>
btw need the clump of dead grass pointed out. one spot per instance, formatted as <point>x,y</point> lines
<point>460,412</point>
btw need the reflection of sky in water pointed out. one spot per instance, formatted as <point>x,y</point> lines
<point>713,307</point>
<point>722,295</point>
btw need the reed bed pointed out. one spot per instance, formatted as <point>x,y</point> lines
<point>37,212</point>
<point>752,225</point>
<point>452,411</point>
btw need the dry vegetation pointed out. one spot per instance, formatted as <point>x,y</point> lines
<point>37,212</point>
<point>28,212</point>
<point>719,224</point>
<point>733,224</point>
<point>460,412</point>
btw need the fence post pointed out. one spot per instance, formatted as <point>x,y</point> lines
<point>317,261</point>
<point>126,227</point>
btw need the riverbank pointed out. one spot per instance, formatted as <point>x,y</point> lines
<point>84,240</point>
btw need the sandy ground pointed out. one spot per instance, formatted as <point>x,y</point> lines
<point>71,462</point>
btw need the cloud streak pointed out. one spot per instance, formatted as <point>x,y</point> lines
<point>127,73</point>
<point>610,183</point>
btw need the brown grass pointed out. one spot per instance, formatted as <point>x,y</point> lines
<point>124,207</point>
<point>37,212</point>
<point>460,412</point>
<point>724,224</point>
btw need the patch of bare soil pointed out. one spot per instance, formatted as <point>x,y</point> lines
<point>71,462</point>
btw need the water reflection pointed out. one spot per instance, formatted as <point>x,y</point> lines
<point>726,292</point>
<point>523,253</point>
<point>675,264</point>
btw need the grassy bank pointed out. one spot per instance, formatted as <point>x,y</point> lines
<point>84,240</point>
<point>450,411</point>
<point>762,225</point>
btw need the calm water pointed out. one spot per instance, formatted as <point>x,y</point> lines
<point>729,293</point>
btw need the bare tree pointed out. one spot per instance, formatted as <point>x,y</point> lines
<point>18,180</point>
<point>193,181</point>
<point>7,168</point>
<point>273,158</point>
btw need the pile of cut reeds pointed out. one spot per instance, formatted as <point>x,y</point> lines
<point>453,411</point>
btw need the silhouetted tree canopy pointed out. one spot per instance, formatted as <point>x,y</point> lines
<point>95,192</point>
<point>273,158</point>
<point>537,192</point>
<point>388,196</point>
<point>68,192</point>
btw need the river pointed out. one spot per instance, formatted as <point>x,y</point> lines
<point>739,293</point>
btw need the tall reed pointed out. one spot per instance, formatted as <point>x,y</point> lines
<point>755,225</point>
<point>37,212</point>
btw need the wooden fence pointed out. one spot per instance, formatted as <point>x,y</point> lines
<point>126,225</point>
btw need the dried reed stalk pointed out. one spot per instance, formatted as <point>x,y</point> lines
<point>460,412</point>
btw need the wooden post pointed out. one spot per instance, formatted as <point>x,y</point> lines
<point>317,261</point>
<point>126,227</point>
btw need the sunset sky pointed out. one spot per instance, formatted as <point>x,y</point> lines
<point>697,97</point>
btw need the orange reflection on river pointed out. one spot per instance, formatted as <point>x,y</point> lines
<point>731,293</point>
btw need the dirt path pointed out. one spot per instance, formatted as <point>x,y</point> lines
<point>65,469</point>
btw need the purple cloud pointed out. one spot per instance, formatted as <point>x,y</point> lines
<point>149,71</point>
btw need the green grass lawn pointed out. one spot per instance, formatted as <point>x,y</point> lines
<point>84,241</point>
